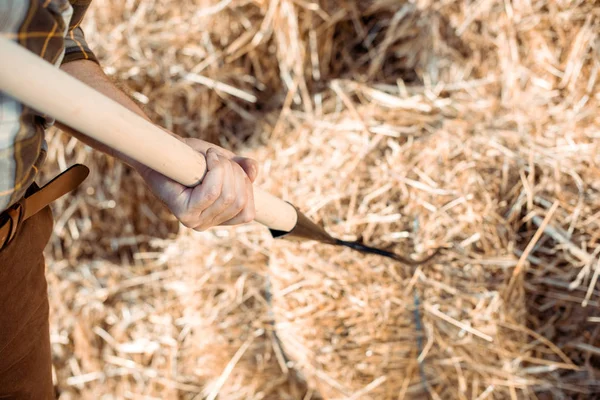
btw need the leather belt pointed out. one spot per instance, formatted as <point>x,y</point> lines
<point>12,218</point>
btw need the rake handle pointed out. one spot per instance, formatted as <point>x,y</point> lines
<point>38,84</point>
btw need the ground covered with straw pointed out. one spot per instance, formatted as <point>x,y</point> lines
<point>470,126</point>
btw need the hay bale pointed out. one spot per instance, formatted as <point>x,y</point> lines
<point>114,331</point>
<point>456,170</point>
<point>471,126</point>
<point>500,117</point>
<point>227,330</point>
<point>356,325</point>
<point>349,321</point>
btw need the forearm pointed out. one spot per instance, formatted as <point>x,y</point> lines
<point>92,75</point>
<point>227,176</point>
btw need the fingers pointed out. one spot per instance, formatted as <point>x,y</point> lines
<point>200,198</point>
<point>224,197</point>
<point>221,205</point>
<point>247,213</point>
<point>206,194</point>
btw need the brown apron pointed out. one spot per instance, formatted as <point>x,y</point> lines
<point>25,357</point>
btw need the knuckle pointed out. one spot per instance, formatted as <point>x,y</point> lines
<point>240,202</point>
<point>212,193</point>
<point>229,198</point>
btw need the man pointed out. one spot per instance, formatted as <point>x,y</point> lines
<point>50,29</point>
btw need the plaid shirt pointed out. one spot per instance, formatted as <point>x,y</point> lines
<point>50,29</point>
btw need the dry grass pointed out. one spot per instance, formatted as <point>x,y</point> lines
<point>468,125</point>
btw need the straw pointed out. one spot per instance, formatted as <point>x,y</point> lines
<point>471,126</point>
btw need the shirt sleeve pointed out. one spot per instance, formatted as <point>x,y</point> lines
<point>76,47</point>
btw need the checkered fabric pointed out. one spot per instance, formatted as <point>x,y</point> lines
<point>50,29</point>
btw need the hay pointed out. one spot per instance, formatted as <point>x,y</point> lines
<point>230,342</point>
<point>413,125</point>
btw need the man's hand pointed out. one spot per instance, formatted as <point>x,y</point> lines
<point>224,197</point>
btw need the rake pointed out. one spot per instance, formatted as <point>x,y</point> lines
<point>39,85</point>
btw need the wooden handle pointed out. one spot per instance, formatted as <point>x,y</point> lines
<point>38,84</point>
